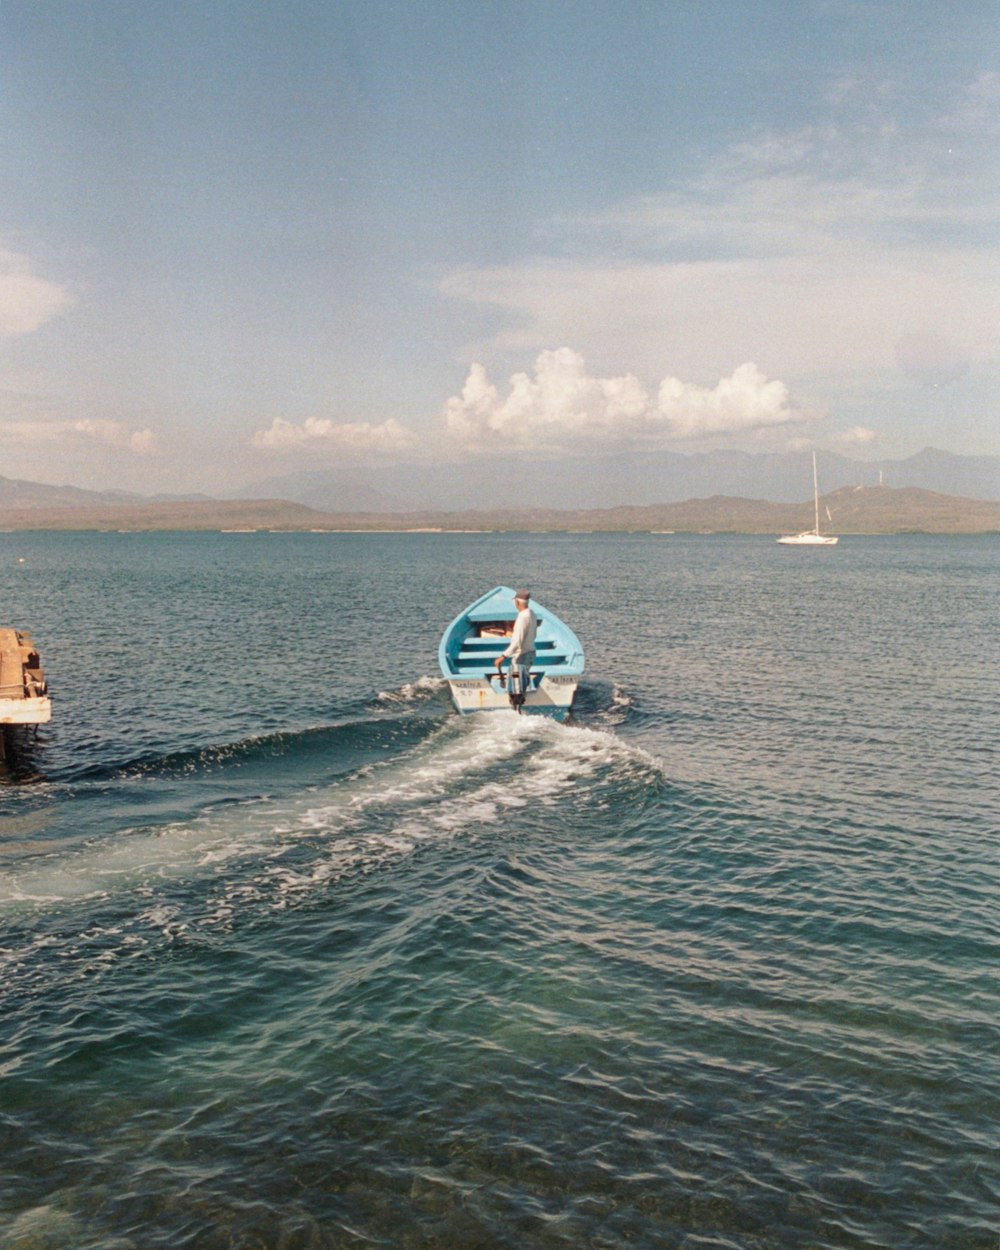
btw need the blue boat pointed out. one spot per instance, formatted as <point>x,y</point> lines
<point>475,638</point>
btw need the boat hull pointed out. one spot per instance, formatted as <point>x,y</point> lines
<point>477,637</point>
<point>808,540</point>
<point>551,696</point>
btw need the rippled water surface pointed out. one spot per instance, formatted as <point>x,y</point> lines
<point>294,957</point>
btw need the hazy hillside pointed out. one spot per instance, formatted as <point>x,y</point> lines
<point>598,483</point>
<point>327,489</point>
<point>613,481</point>
<point>17,493</point>
<point>857,510</point>
<point>213,514</point>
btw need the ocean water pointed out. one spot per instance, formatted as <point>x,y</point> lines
<point>291,956</point>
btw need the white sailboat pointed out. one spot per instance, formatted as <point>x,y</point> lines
<point>811,538</point>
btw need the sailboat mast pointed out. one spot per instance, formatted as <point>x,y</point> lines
<point>816,492</point>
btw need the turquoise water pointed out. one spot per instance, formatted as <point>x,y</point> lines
<point>294,957</point>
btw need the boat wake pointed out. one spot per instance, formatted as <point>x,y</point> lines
<point>599,704</point>
<point>386,721</point>
<point>602,705</point>
<point>458,782</point>
<point>423,690</point>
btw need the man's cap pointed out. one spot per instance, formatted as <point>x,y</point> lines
<point>522,594</point>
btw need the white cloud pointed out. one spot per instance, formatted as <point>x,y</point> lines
<point>26,300</point>
<point>351,437</point>
<point>812,252</point>
<point>562,407</point>
<point>840,309</point>
<point>745,401</point>
<point>103,432</point>
<point>853,437</point>
<point>143,442</point>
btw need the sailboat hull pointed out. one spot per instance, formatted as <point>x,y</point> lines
<point>808,540</point>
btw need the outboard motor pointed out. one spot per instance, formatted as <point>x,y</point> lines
<point>511,682</point>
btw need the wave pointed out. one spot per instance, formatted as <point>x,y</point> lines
<point>423,690</point>
<point>460,776</point>
<point>386,718</point>
<point>604,703</point>
<point>357,733</point>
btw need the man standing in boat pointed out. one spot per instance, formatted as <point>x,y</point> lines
<point>521,649</point>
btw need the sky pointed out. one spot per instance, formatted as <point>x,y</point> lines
<point>239,238</point>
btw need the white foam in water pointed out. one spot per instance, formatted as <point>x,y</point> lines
<point>438,790</point>
<point>422,688</point>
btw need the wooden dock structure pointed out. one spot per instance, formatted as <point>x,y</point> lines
<point>24,697</point>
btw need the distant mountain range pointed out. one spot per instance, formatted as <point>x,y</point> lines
<point>622,480</point>
<point>853,510</point>
<point>99,513</point>
<point>15,493</point>
<point>593,483</point>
